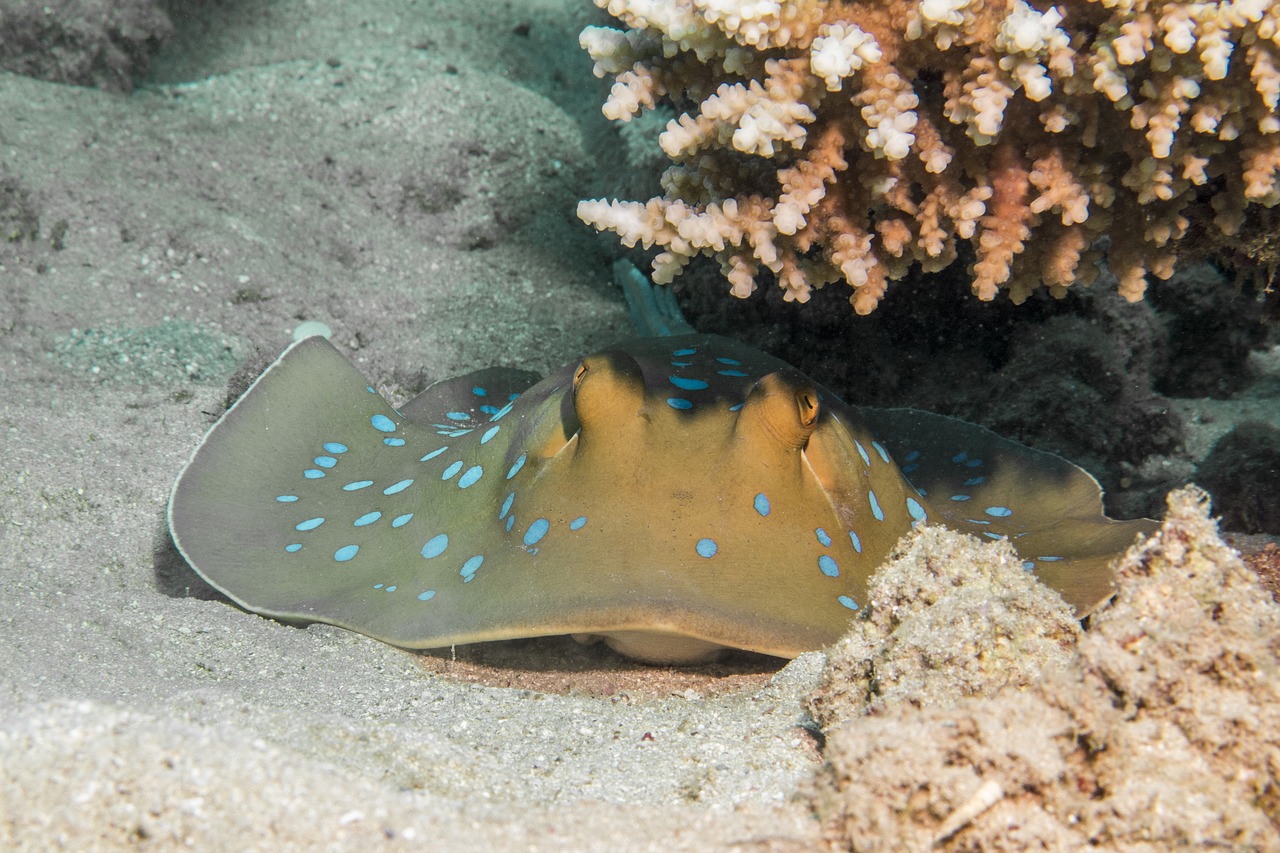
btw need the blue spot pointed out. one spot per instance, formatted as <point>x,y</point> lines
<point>735,408</point>
<point>847,602</point>
<point>489,433</point>
<point>357,485</point>
<point>875,506</point>
<point>368,518</point>
<point>346,552</point>
<point>679,403</point>
<point>857,543</point>
<point>479,392</point>
<point>489,410</point>
<point>433,454</point>
<point>536,531</point>
<point>1028,565</point>
<point>828,566</point>
<point>734,373</point>
<point>724,360</point>
<point>435,546</point>
<point>286,499</point>
<point>511,520</point>
<point>909,469</point>
<point>917,511</point>
<point>912,456</point>
<point>469,478</point>
<point>369,388</point>
<point>401,520</point>
<point>973,481</point>
<point>990,535</point>
<point>862,451</point>
<point>313,473</point>
<point>976,521</point>
<point>391,589</point>
<point>689,351</point>
<point>1049,559</point>
<point>707,548</point>
<point>451,470</point>
<point>506,505</point>
<point>427,596</point>
<point>295,547</point>
<point>762,504</point>
<point>325,461</point>
<point>378,586</point>
<point>335,447</point>
<point>961,497</point>
<point>393,442</point>
<point>973,463</point>
<point>501,412</point>
<point>682,364</point>
<point>457,416</point>
<point>382,423</point>
<point>309,524</point>
<point>687,384</point>
<point>998,511</point>
<point>515,468</point>
<point>578,523</point>
<point>959,457</point>
<point>823,537</point>
<point>398,487</point>
<point>470,567</point>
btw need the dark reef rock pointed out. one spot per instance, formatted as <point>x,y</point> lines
<point>103,43</point>
<point>1078,376</point>
<point>1242,472</point>
<point>1215,324</point>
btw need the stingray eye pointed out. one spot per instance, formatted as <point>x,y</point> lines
<point>807,404</point>
<point>608,388</point>
<point>783,406</point>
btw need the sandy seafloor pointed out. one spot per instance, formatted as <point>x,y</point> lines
<point>390,170</point>
<point>405,173</point>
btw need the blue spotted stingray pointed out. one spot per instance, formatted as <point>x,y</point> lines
<point>674,495</point>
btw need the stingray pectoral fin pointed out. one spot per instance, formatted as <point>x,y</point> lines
<point>479,395</point>
<point>271,507</point>
<point>980,483</point>
<point>1075,555</point>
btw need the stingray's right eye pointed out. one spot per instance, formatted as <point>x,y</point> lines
<point>807,405</point>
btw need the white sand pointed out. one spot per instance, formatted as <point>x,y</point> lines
<point>415,193</point>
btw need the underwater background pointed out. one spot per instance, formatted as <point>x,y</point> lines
<point>183,184</point>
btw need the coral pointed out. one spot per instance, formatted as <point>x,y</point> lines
<point>1164,733</point>
<point>827,141</point>
<point>947,616</point>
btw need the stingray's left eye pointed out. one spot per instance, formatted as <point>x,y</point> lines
<point>579,374</point>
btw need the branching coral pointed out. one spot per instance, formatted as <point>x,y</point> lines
<point>848,140</point>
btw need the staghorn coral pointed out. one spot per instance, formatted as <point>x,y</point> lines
<point>828,141</point>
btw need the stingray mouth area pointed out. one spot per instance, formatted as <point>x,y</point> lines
<point>657,646</point>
